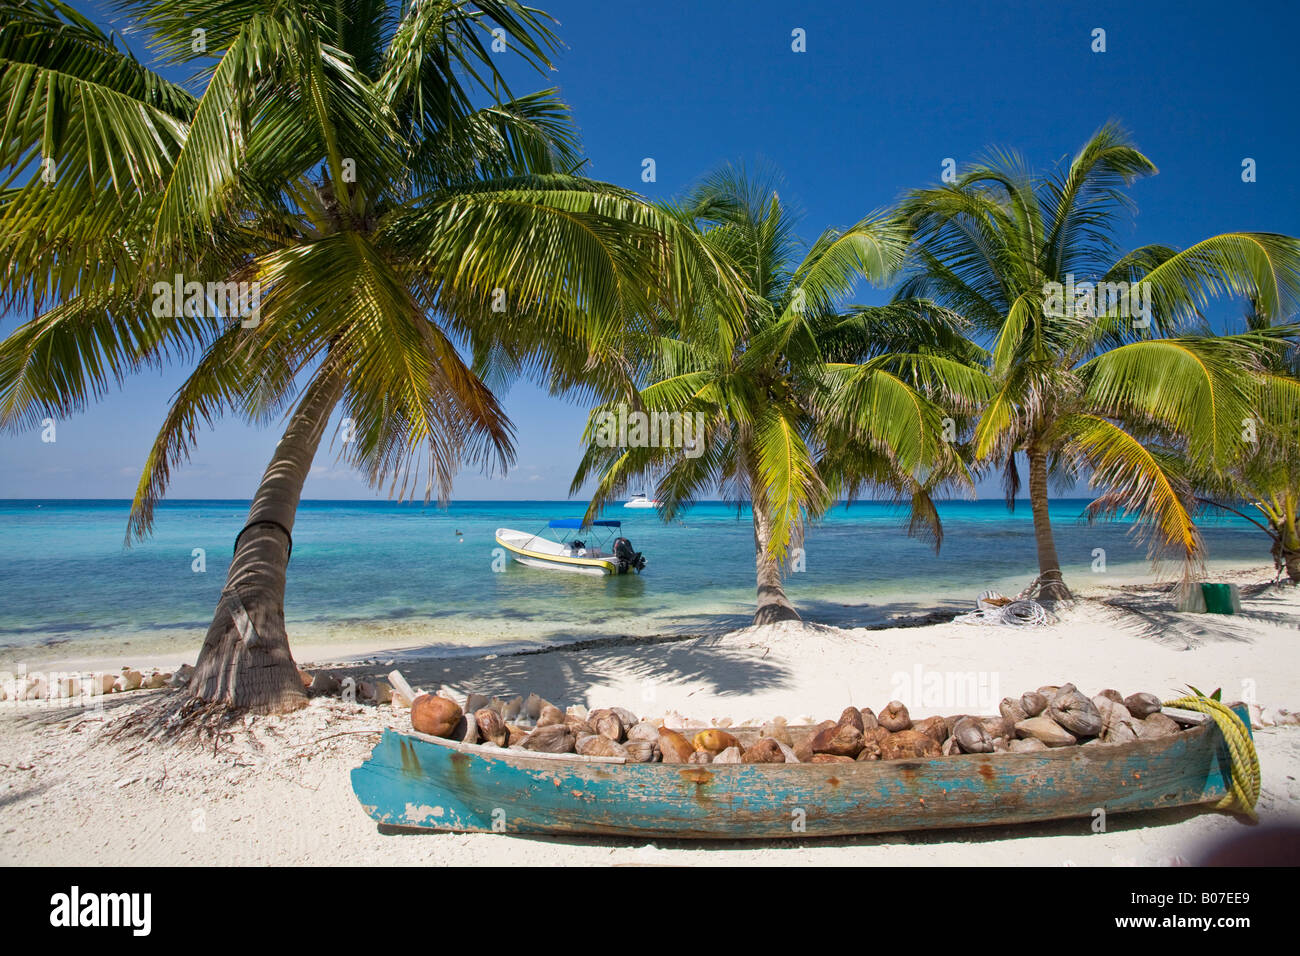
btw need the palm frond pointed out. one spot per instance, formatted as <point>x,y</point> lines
<point>1141,485</point>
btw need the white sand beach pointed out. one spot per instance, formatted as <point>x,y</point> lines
<point>276,790</point>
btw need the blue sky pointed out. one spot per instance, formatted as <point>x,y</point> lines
<point>882,95</point>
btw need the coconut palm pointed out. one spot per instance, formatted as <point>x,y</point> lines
<point>365,165</point>
<point>801,402</point>
<point>1263,485</point>
<point>1108,377</point>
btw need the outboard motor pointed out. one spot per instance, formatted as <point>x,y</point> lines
<point>626,557</point>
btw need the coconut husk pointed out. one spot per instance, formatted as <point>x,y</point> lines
<point>997,726</point>
<point>1157,725</point>
<point>608,723</point>
<point>972,736</point>
<point>491,727</point>
<point>804,749</point>
<point>852,717</point>
<point>764,750</point>
<point>466,731</point>
<point>435,716</point>
<point>933,727</point>
<point>1142,705</point>
<point>870,750</point>
<point>550,715</point>
<point>841,740</point>
<point>1012,710</point>
<point>626,717</point>
<point>577,726</point>
<point>598,745</point>
<point>1025,746</point>
<point>895,717</point>
<point>776,729</point>
<point>908,743</point>
<point>643,731</point>
<point>640,751</point>
<point>1118,726</point>
<point>714,740</point>
<point>552,739</point>
<point>1033,703</point>
<point>1047,730</point>
<point>1075,713</point>
<point>674,747</point>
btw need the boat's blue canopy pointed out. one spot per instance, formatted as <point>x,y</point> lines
<point>577,523</point>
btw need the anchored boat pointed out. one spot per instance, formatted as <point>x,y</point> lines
<point>567,553</point>
<point>416,782</point>
<point>639,500</point>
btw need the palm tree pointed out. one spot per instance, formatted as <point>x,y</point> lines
<point>363,167</point>
<point>1266,480</point>
<point>799,402</point>
<point>1092,350</point>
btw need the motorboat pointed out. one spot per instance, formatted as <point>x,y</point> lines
<point>640,501</point>
<point>566,552</point>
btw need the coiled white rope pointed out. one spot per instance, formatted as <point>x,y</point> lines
<point>1015,614</point>
<point>1024,614</point>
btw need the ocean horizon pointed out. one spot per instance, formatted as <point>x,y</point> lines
<point>398,574</point>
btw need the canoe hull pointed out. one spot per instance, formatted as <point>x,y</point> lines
<point>412,782</point>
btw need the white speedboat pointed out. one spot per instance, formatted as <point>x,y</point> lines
<point>568,553</point>
<point>640,501</point>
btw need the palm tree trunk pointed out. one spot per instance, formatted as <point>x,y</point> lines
<point>253,668</point>
<point>1050,580</point>
<point>1289,542</point>
<point>773,605</point>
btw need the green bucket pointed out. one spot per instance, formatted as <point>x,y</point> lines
<point>1219,599</point>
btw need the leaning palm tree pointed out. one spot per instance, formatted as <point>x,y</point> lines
<point>1094,352</point>
<point>1263,485</point>
<point>363,170</point>
<point>785,400</point>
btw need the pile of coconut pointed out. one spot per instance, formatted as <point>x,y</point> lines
<point>58,685</point>
<point>1045,718</point>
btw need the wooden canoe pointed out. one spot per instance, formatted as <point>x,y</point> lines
<point>416,782</point>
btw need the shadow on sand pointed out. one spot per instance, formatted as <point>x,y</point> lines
<point>560,670</point>
<point>567,673</point>
<point>1150,612</point>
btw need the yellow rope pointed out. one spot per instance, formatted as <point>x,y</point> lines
<point>1243,787</point>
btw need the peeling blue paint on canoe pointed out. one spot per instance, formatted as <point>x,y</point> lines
<point>415,782</point>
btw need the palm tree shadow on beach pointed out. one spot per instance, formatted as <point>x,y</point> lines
<point>1151,612</point>
<point>566,674</point>
<point>562,671</point>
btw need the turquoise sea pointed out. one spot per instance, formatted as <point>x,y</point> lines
<point>401,574</point>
